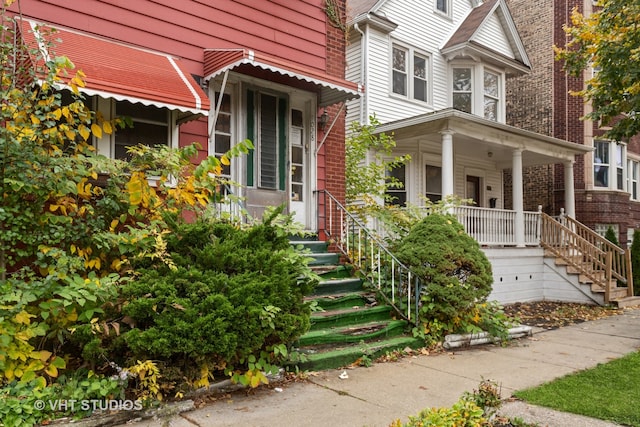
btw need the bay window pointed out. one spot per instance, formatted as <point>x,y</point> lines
<point>609,163</point>
<point>478,90</point>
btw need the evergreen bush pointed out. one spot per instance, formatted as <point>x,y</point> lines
<point>456,275</point>
<point>230,294</point>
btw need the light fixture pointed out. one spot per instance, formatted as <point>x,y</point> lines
<point>490,154</point>
<point>323,119</point>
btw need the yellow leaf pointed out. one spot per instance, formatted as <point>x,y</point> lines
<point>53,208</point>
<point>114,224</point>
<point>35,120</point>
<point>84,132</point>
<point>52,371</point>
<point>23,317</point>
<point>44,355</point>
<point>57,114</point>
<point>225,160</point>
<point>106,127</point>
<point>97,130</point>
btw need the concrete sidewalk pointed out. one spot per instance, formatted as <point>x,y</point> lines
<point>378,395</point>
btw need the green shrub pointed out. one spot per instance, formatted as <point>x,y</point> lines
<point>230,299</point>
<point>464,413</point>
<point>456,274</point>
<point>611,236</point>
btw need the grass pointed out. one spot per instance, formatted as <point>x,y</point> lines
<point>609,391</point>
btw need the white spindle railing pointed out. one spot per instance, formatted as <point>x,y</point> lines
<point>367,252</point>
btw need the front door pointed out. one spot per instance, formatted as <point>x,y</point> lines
<point>473,190</point>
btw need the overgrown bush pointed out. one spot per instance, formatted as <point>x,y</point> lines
<point>455,273</point>
<point>230,299</point>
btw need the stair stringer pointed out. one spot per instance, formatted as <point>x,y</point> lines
<point>555,272</point>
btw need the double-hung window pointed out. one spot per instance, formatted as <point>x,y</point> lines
<point>150,127</point>
<point>409,73</point>
<point>433,183</point>
<point>396,193</point>
<point>478,90</point>
<point>463,89</point>
<point>609,165</point>
<point>633,172</point>
<point>222,142</point>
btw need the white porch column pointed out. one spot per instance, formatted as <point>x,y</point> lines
<point>569,191</point>
<point>447,163</point>
<point>518,199</point>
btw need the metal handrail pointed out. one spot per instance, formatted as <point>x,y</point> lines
<point>367,253</point>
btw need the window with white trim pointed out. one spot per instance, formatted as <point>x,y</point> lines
<point>462,89</point>
<point>222,136</point>
<point>609,165</point>
<point>443,6</point>
<point>478,90</point>
<point>151,127</point>
<point>409,73</point>
<point>397,194</point>
<point>633,169</point>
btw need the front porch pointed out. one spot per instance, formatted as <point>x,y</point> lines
<point>543,258</point>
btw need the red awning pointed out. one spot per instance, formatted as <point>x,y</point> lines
<point>122,72</point>
<point>330,89</point>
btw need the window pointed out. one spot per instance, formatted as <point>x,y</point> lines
<point>433,184</point>
<point>632,178</point>
<point>222,141</point>
<point>399,67</point>
<point>609,163</point>
<point>491,95</point>
<point>150,127</point>
<point>397,194</point>
<point>268,142</point>
<point>297,155</point>
<point>477,90</point>
<point>443,6</point>
<point>416,87</point>
<point>462,89</point>
<point>266,124</point>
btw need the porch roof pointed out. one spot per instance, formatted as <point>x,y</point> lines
<point>481,138</point>
<point>330,89</point>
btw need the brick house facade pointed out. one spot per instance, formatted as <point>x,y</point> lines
<point>541,102</point>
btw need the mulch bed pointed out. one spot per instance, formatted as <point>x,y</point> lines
<point>553,315</point>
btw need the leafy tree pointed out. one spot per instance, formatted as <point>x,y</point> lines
<point>609,41</point>
<point>367,163</point>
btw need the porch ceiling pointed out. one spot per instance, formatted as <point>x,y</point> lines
<point>476,137</point>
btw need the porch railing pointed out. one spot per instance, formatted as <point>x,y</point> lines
<point>394,281</point>
<point>604,263</point>
<point>228,206</point>
<point>489,227</point>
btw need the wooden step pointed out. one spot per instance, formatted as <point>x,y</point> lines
<point>627,301</point>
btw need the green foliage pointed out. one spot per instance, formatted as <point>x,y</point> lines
<point>608,40</point>
<point>232,300</point>
<point>464,413</point>
<point>611,236</point>
<point>367,162</point>
<point>28,403</point>
<point>455,273</point>
<point>635,262</point>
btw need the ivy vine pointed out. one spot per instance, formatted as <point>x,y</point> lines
<point>333,13</point>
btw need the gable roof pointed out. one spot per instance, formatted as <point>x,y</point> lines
<point>466,40</point>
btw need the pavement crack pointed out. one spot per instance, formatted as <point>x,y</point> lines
<point>190,420</point>
<point>343,393</point>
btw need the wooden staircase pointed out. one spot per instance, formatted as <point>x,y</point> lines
<point>605,267</point>
<point>348,325</point>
